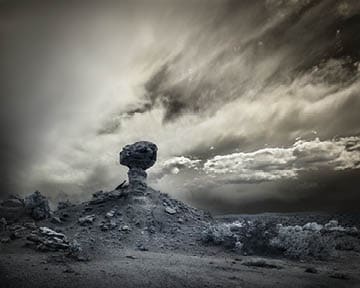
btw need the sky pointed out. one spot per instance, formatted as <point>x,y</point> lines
<point>254,105</point>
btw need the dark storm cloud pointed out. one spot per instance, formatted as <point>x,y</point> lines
<point>325,190</point>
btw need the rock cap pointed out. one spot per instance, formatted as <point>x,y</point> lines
<point>141,155</point>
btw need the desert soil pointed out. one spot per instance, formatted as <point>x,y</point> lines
<point>23,267</point>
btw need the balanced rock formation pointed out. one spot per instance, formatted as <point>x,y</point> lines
<point>138,157</point>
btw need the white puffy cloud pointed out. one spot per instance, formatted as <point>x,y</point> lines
<point>339,154</point>
<point>270,164</point>
<point>174,165</point>
<point>264,164</point>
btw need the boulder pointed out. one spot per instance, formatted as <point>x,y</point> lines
<point>47,239</point>
<point>17,231</point>
<point>3,224</point>
<point>101,197</point>
<point>14,202</point>
<point>125,228</point>
<point>111,213</point>
<point>37,206</point>
<point>89,219</point>
<point>12,208</point>
<point>170,210</point>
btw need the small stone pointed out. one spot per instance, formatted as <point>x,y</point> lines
<point>180,220</point>
<point>75,249</point>
<point>104,227</point>
<point>68,270</point>
<point>89,219</point>
<point>340,276</point>
<point>3,224</point>
<point>113,224</point>
<point>64,215</point>
<point>5,240</point>
<point>56,220</point>
<point>151,229</point>
<point>17,231</point>
<point>30,225</point>
<point>312,270</point>
<point>110,214</point>
<point>142,248</point>
<point>125,228</point>
<point>170,210</point>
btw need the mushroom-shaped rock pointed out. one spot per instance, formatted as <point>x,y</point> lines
<point>141,154</point>
<point>138,157</point>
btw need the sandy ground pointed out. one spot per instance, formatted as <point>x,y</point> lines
<point>128,268</point>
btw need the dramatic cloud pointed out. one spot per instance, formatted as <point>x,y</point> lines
<point>224,88</point>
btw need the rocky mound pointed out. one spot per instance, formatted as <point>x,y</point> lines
<point>149,222</point>
<point>110,220</point>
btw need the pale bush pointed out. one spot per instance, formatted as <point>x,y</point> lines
<point>247,237</point>
<point>219,234</point>
<point>262,238</point>
<point>303,241</point>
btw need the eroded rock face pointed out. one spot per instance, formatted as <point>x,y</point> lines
<point>138,157</point>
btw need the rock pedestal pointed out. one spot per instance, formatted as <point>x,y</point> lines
<point>137,178</point>
<point>138,157</point>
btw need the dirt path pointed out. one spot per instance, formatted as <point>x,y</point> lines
<point>128,268</point>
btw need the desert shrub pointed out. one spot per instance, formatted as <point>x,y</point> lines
<point>219,234</point>
<point>347,243</point>
<point>267,238</point>
<point>346,238</point>
<point>247,237</point>
<point>255,237</point>
<point>303,241</point>
<point>315,240</point>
